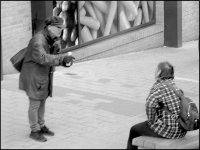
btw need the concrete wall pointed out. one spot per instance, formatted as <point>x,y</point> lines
<point>142,39</point>
<point>16,30</point>
<point>190,20</point>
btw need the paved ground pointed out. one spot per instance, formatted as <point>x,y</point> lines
<point>96,102</point>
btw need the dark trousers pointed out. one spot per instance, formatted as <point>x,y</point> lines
<point>138,130</point>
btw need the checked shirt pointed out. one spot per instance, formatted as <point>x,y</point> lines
<point>159,120</point>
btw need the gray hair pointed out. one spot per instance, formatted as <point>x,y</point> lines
<point>166,70</point>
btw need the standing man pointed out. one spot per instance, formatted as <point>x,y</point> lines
<point>36,74</point>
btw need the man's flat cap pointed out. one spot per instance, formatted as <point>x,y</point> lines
<point>55,21</point>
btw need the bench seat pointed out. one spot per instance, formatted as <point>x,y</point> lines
<point>190,141</point>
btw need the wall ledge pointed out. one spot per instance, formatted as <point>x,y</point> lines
<point>118,41</point>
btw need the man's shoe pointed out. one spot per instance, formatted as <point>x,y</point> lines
<point>38,136</point>
<point>46,131</point>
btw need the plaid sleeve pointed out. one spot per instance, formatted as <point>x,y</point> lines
<point>152,104</point>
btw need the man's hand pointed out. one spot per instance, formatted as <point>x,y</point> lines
<point>68,61</point>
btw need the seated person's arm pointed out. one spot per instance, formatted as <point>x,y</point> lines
<point>152,105</point>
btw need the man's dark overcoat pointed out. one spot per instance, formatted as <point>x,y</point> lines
<point>37,69</point>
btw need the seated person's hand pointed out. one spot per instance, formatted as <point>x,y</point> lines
<point>68,61</point>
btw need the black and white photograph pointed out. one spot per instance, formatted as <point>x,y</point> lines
<point>99,74</point>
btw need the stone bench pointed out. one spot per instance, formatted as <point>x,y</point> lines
<point>190,141</point>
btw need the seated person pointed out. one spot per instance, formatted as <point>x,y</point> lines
<point>160,123</point>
